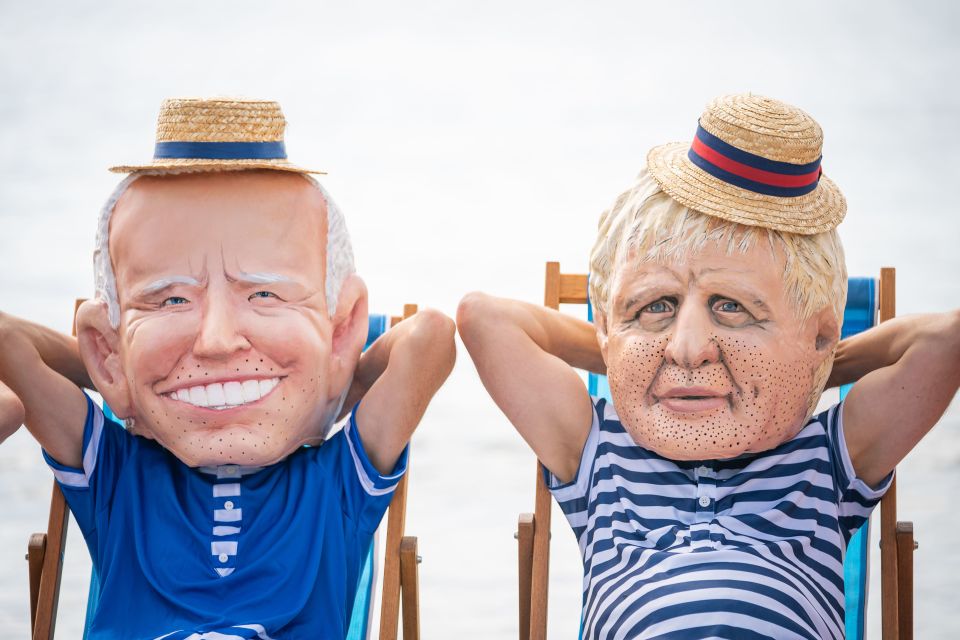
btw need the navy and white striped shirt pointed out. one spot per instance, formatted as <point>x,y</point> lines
<point>750,547</point>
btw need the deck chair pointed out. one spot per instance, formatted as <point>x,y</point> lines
<point>868,301</point>
<point>400,572</point>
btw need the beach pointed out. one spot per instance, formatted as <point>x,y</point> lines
<point>468,144</point>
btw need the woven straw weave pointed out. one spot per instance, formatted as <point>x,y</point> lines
<point>217,120</point>
<point>764,127</point>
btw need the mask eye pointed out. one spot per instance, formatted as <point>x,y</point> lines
<point>174,301</point>
<point>728,306</point>
<point>660,306</point>
<point>261,296</point>
<point>662,309</point>
<point>730,312</point>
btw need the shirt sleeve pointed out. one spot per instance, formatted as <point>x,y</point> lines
<point>89,489</point>
<point>366,492</point>
<point>856,498</point>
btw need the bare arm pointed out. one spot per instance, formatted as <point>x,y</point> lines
<point>11,413</point>
<point>397,377</point>
<point>917,373</point>
<point>54,406</point>
<point>525,356</point>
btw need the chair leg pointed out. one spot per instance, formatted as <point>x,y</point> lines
<point>36,549</point>
<point>410,587</point>
<point>525,527</point>
<point>390,600</point>
<point>889,582</point>
<point>540,572</point>
<point>905,548</point>
<point>49,592</point>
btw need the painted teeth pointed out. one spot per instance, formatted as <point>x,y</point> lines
<point>225,395</point>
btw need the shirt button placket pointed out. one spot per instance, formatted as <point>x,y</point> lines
<point>227,518</point>
<point>706,505</point>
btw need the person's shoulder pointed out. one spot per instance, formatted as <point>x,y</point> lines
<point>316,456</point>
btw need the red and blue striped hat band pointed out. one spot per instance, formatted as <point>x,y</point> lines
<point>754,161</point>
<point>752,172</point>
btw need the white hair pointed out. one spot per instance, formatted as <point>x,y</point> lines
<point>339,251</point>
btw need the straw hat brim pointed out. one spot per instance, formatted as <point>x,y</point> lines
<point>816,212</point>
<point>196,165</point>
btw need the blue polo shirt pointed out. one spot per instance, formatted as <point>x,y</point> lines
<point>223,552</point>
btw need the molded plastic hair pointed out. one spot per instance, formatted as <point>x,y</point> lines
<point>646,222</point>
<point>339,251</point>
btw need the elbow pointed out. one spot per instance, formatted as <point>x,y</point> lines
<point>11,413</point>
<point>434,332</point>
<point>434,326</point>
<point>473,312</point>
<point>953,338</point>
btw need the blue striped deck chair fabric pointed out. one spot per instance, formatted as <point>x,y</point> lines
<point>863,310</point>
<point>363,605</point>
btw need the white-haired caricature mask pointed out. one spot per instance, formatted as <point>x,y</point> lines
<point>226,349</point>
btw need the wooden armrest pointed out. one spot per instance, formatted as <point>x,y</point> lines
<point>410,587</point>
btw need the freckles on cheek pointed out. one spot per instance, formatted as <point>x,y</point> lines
<point>632,369</point>
<point>774,386</point>
<point>745,361</point>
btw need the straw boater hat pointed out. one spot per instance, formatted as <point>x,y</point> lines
<point>218,134</point>
<point>754,161</point>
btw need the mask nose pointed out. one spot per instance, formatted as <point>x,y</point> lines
<point>692,344</point>
<point>219,335</point>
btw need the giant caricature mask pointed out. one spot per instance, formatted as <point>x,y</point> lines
<point>226,350</point>
<point>708,354</point>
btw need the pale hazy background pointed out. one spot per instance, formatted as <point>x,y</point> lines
<point>467,143</point>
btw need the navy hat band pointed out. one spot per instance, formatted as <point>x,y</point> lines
<point>274,150</point>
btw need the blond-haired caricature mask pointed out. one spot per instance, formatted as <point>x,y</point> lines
<point>706,355</point>
<point>226,351</point>
<point>718,338</point>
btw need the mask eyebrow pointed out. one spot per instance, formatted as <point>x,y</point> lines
<point>165,283</point>
<point>261,277</point>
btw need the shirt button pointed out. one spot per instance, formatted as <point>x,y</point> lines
<point>228,505</point>
<point>702,471</point>
<point>704,501</point>
<point>232,471</point>
<point>223,557</point>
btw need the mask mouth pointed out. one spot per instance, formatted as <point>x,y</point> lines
<point>692,399</point>
<point>224,395</point>
<point>694,404</point>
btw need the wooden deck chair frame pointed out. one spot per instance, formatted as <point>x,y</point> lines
<point>533,529</point>
<point>400,572</point>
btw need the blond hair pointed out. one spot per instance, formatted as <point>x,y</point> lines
<point>647,222</point>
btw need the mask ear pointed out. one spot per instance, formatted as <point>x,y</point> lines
<point>828,331</point>
<point>600,324</point>
<point>350,325</point>
<point>99,345</point>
